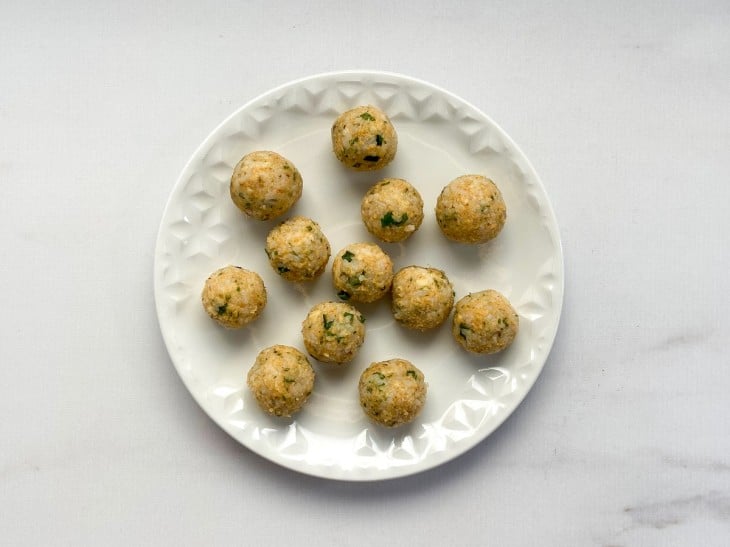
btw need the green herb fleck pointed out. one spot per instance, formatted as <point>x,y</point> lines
<point>388,220</point>
<point>327,324</point>
<point>361,318</point>
<point>310,228</point>
<point>354,140</point>
<point>348,256</point>
<point>354,281</point>
<point>282,269</point>
<point>379,140</point>
<point>464,329</point>
<point>412,373</point>
<point>367,116</point>
<point>343,295</point>
<point>289,380</point>
<point>223,308</point>
<point>268,253</point>
<point>349,316</point>
<point>372,158</point>
<point>380,375</point>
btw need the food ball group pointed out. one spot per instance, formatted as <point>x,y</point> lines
<point>281,379</point>
<point>364,139</point>
<point>470,209</point>
<point>484,322</point>
<point>333,332</point>
<point>297,249</point>
<point>392,210</point>
<point>265,185</point>
<point>362,272</point>
<point>234,297</point>
<point>422,298</point>
<point>392,392</point>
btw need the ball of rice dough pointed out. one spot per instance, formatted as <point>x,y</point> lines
<point>364,139</point>
<point>484,322</point>
<point>297,249</point>
<point>333,332</point>
<point>470,209</point>
<point>281,379</point>
<point>265,185</point>
<point>362,272</point>
<point>392,210</point>
<point>392,392</point>
<point>422,298</point>
<point>233,296</point>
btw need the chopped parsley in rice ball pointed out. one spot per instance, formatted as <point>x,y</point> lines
<point>234,297</point>
<point>392,392</point>
<point>484,322</point>
<point>364,139</point>
<point>470,209</point>
<point>392,210</point>
<point>362,272</point>
<point>333,332</point>
<point>297,249</point>
<point>422,298</point>
<point>265,185</point>
<point>281,379</point>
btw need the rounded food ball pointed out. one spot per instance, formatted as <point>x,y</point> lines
<point>297,249</point>
<point>392,392</point>
<point>265,185</point>
<point>333,332</point>
<point>362,272</point>
<point>364,139</point>
<point>484,322</point>
<point>392,210</point>
<point>422,298</point>
<point>470,209</point>
<point>233,296</point>
<point>281,379</point>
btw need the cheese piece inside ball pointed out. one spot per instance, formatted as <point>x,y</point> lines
<point>265,185</point>
<point>484,322</point>
<point>234,297</point>
<point>364,139</point>
<point>297,249</point>
<point>333,332</point>
<point>392,210</point>
<point>470,209</point>
<point>392,392</point>
<point>422,298</point>
<point>362,272</point>
<point>281,379</point>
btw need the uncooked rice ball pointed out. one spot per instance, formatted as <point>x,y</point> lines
<point>470,209</point>
<point>392,392</point>
<point>333,332</point>
<point>364,139</point>
<point>484,322</point>
<point>422,298</point>
<point>233,296</point>
<point>265,185</point>
<point>362,272</point>
<point>281,379</point>
<point>392,210</point>
<point>297,249</point>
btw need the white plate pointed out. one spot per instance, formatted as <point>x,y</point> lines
<point>440,137</point>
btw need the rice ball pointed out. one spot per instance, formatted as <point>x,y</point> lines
<point>470,209</point>
<point>363,138</point>
<point>265,185</point>
<point>362,272</point>
<point>422,298</point>
<point>297,249</point>
<point>233,296</point>
<point>392,210</point>
<point>281,379</point>
<point>484,322</point>
<point>392,392</point>
<point>333,332</point>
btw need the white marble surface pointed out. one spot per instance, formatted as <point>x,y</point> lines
<point>624,110</point>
